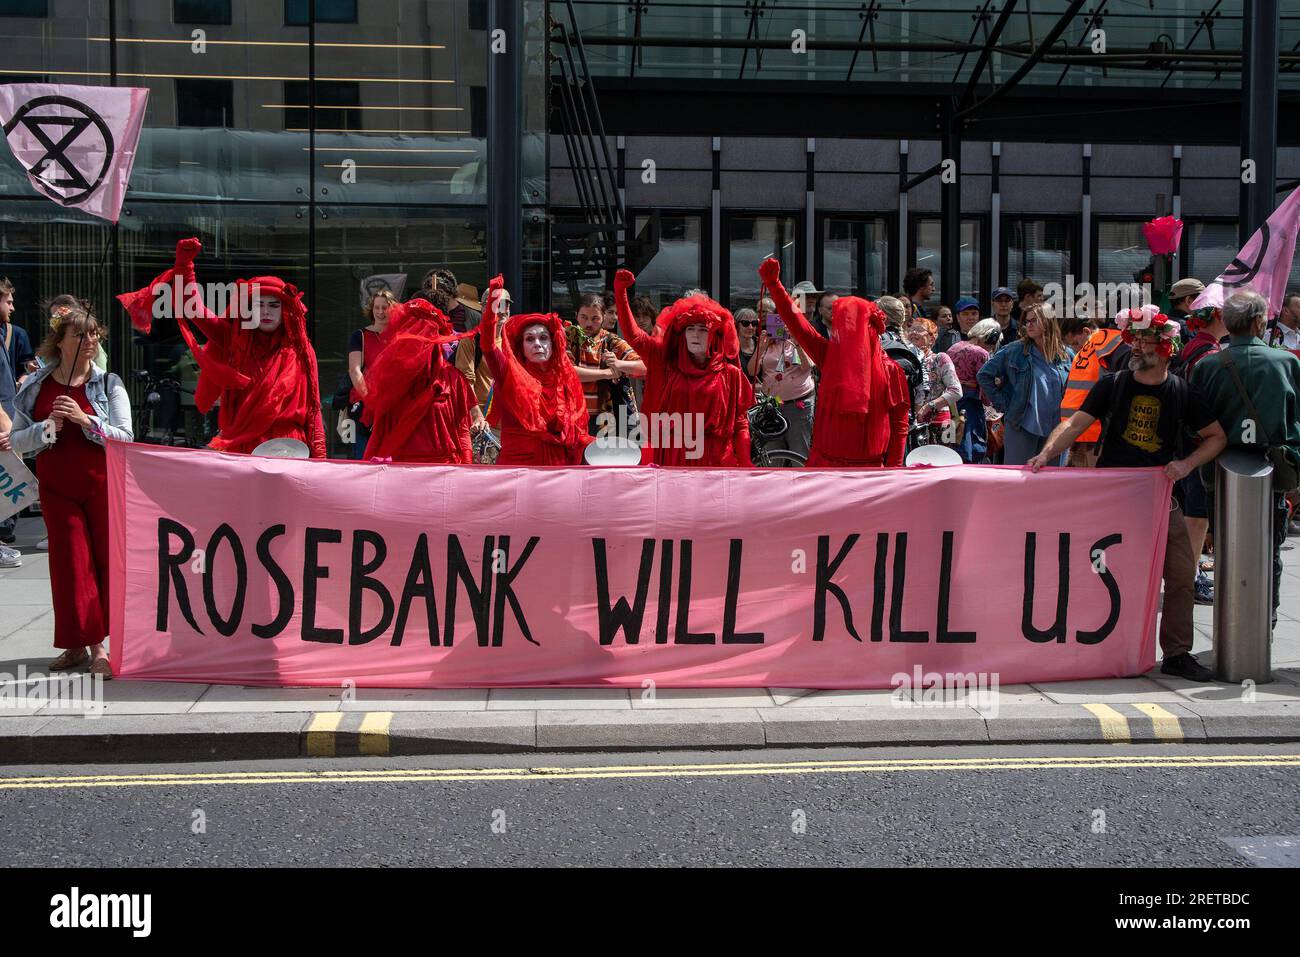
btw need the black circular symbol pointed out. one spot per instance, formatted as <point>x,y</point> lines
<point>56,133</point>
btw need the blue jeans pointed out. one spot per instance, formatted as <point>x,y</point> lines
<point>1019,446</point>
<point>974,442</point>
<point>362,436</point>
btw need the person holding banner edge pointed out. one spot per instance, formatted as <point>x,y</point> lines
<point>1143,411</point>
<point>63,414</point>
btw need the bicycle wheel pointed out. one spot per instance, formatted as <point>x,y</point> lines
<point>781,458</point>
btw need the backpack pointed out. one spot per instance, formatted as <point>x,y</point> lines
<point>1182,364</point>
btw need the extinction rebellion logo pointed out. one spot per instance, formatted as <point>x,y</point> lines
<point>42,132</point>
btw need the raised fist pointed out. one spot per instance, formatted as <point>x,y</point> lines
<point>769,271</point>
<point>496,282</point>
<point>623,279</point>
<point>187,250</point>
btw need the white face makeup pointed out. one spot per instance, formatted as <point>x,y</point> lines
<point>697,339</point>
<point>269,312</point>
<point>537,343</point>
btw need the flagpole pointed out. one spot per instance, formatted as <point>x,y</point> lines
<point>111,277</point>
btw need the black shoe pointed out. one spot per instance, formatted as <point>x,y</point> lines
<point>7,538</point>
<point>1185,666</point>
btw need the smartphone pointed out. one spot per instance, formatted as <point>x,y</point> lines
<point>775,327</point>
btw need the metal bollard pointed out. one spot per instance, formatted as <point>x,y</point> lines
<point>1243,567</point>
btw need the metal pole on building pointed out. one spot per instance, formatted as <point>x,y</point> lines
<point>1259,69</point>
<point>504,142</point>
<point>950,202</point>
<point>1243,567</point>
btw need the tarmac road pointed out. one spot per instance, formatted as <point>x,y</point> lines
<point>1144,805</point>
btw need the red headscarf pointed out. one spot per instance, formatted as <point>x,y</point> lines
<point>699,388</point>
<point>548,397</point>
<point>854,372</point>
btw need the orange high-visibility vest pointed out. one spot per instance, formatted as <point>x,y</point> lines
<point>1084,374</point>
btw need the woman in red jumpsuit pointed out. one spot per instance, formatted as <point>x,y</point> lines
<point>863,400</point>
<point>262,366</point>
<point>535,392</point>
<point>418,404</point>
<point>690,371</point>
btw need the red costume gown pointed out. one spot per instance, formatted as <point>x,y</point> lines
<point>539,406</point>
<point>676,384</point>
<point>267,381</point>
<point>863,399</point>
<point>419,404</point>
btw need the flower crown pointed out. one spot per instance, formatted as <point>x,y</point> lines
<point>1147,321</point>
<point>57,315</point>
<point>1198,319</point>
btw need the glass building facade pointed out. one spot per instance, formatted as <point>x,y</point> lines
<point>387,177</point>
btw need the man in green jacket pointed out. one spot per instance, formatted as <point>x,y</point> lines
<point>1271,378</point>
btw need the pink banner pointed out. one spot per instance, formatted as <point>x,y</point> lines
<point>259,571</point>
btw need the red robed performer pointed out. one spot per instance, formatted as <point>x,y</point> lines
<point>418,405</point>
<point>863,399</point>
<point>265,376</point>
<point>690,370</point>
<point>537,397</point>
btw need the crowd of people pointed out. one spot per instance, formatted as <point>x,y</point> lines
<point>857,382</point>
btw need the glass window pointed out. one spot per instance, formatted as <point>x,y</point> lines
<point>327,11</point>
<point>24,8</point>
<point>1121,251</point>
<point>336,105</point>
<point>201,11</point>
<point>751,239</point>
<point>205,103</point>
<point>1039,249</point>
<point>929,255</point>
<point>1209,247</point>
<point>855,256</point>
<point>679,263</point>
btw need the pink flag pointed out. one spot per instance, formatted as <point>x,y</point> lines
<point>77,143</point>
<point>1264,263</point>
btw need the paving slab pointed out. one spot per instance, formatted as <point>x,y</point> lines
<point>553,699</point>
<point>417,699</point>
<point>144,697</point>
<point>1105,690</point>
<point>702,698</point>
<point>651,728</point>
<point>873,698</point>
<point>238,698</point>
<point>462,732</point>
<point>793,727</point>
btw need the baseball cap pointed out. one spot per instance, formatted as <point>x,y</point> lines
<point>1186,287</point>
<point>964,303</point>
<point>1003,291</point>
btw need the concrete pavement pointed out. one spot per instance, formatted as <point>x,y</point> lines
<point>174,721</point>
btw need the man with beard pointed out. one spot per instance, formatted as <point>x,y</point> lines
<point>1143,411</point>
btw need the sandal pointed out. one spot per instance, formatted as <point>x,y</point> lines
<point>101,667</point>
<point>72,658</point>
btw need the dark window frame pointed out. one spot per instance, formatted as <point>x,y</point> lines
<point>819,244</point>
<point>706,231</point>
<point>1076,242</point>
<point>288,22</point>
<point>982,280</point>
<point>1094,264</point>
<point>724,257</point>
<point>201,21</point>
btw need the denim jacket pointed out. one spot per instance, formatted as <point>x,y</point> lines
<point>107,395</point>
<point>1004,379</point>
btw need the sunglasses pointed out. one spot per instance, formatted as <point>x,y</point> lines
<point>746,322</point>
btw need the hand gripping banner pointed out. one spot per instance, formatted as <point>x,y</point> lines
<point>259,571</point>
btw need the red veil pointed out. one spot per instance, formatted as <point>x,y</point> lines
<point>856,325</point>
<point>406,381</point>
<point>265,380</point>
<point>703,388</point>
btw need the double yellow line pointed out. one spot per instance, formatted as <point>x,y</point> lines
<point>736,769</point>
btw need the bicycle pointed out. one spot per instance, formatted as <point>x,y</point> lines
<point>486,448</point>
<point>767,424</point>
<point>162,408</point>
